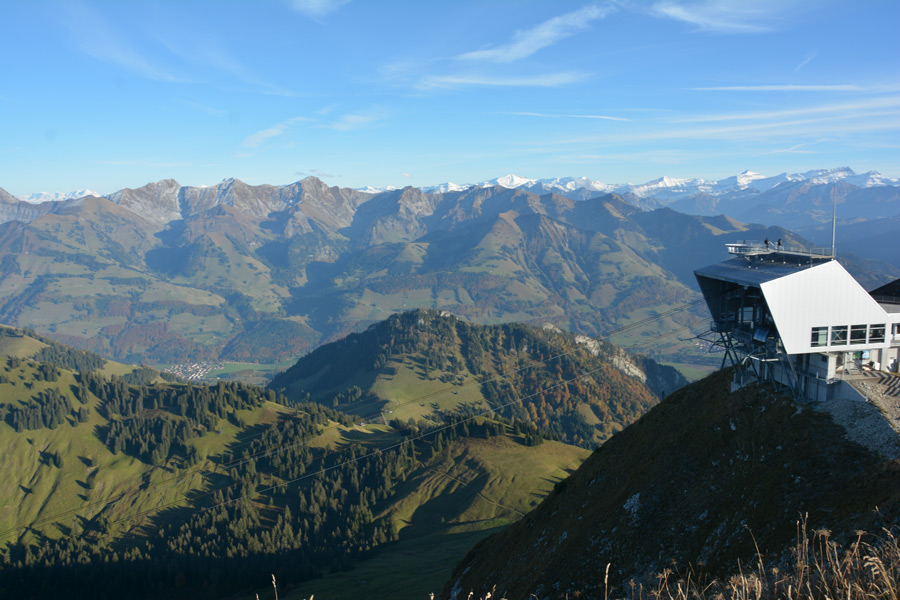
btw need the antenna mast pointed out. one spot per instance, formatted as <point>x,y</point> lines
<point>833,221</point>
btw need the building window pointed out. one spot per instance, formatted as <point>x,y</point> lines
<point>857,334</point>
<point>839,335</point>
<point>876,334</point>
<point>819,336</point>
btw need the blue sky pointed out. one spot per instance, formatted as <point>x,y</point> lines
<point>105,95</point>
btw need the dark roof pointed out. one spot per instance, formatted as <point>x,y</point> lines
<point>753,273</point>
<point>888,293</point>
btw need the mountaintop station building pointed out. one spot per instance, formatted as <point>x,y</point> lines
<point>798,319</point>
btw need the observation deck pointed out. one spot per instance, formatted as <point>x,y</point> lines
<point>775,252</point>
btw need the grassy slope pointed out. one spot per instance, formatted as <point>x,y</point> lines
<point>34,490</point>
<point>444,509</point>
<point>690,482</point>
<point>453,499</point>
<point>440,511</point>
<point>14,343</point>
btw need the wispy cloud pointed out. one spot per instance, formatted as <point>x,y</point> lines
<point>481,68</point>
<point>554,116</point>
<point>845,109</point>
<point>806,60</point>
<point>218,59</point>
<point>831,125</point>
<point>528,41</point>
<point>257,139</point>
<point>97,38</point>
<point>345,122</point>
<point>206,52</point>
<point>144,52</point>
<point>795,149</point>
<point>356,120</point>
<point>542,80</point>
<point>316,9</point>
<point>407,175</point>
<point>783,88</point>
<point>720,16</point>
<point>316,173</point>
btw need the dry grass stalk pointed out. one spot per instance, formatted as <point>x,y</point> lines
<point>821,569</point>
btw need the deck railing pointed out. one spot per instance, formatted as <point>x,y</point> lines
<point>756,247</point>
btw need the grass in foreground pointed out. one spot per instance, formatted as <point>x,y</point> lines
<point>868,568</point>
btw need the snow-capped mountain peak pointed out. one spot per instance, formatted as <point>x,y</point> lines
<point>38,197</point>
<point>377,190</point>
<point>670,189</point>
<point>820,176</point>
<point>576,183</point>
<point>509,181</point>
<point>443,188</point>
<point>871,179</point>
<point>666,188</point>
<point>748,176</point>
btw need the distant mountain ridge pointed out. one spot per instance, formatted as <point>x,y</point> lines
<point>38,197</point>
<point>664,189</point>
<point>173,273</point>
<point>670,189</point>
<point>749,196</point>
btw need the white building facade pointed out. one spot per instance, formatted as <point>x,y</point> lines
<point>798,319</point>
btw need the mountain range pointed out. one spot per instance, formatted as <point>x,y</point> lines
<point>168,273</point>
<point>794,201</point>
<point>664,190</point>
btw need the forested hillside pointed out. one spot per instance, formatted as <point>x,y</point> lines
<point>167,489</point>
<point>578,389</point>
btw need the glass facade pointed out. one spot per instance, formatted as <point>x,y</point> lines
<point>819,336</point>
<point>843,335</point>
<point>839,335</point>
